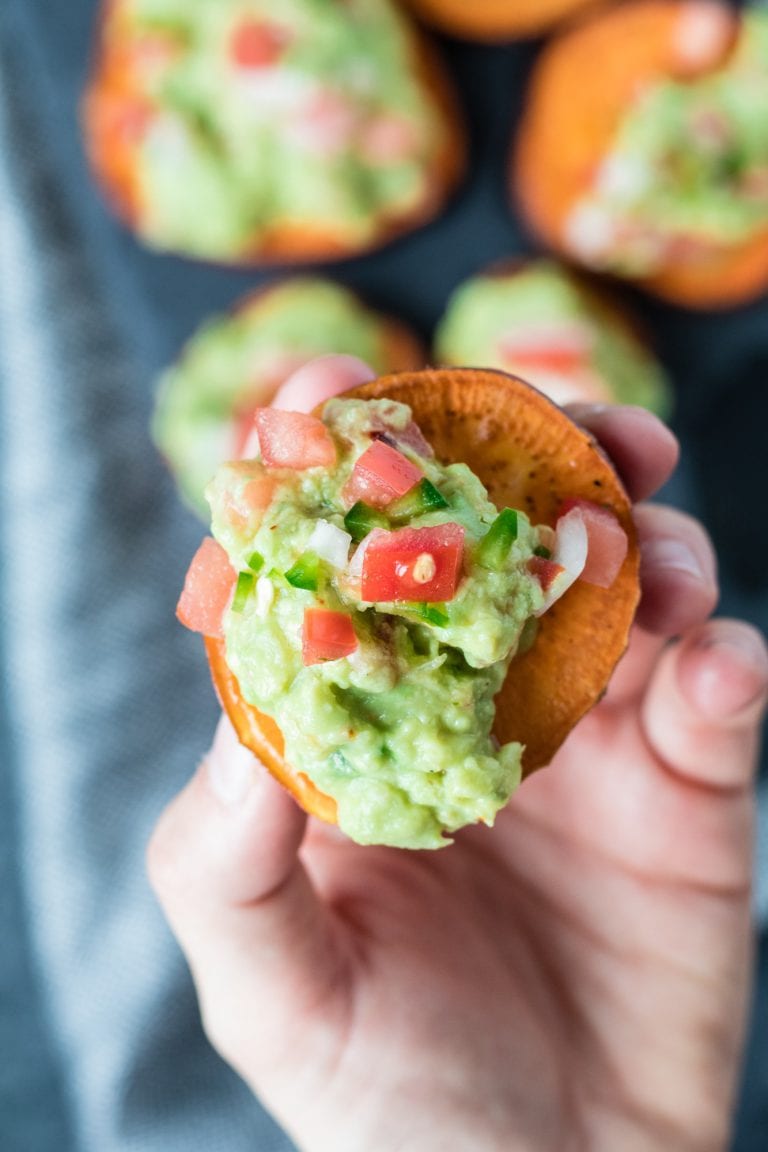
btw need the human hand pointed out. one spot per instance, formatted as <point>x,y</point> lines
<point>576,977</point>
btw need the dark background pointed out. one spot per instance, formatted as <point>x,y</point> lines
<point>718,364</point>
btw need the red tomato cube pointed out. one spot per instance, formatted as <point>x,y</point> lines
<point>381,475</point>
<point>607,542</point>
<point>545,571</point>
<point>293,440</point>
<point>326,635</point>
<point>421,564</point>
<point>254,44</point>
<point>207,589</point>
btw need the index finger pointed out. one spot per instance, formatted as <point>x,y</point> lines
<point>643,450</point>
<point>320,379</point>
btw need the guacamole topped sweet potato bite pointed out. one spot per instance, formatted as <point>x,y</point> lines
<point>255,132</point>
<point>370,600</point>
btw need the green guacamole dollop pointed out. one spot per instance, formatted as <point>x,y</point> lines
<point>238,360</point>
<point>688,167</point>
<point>319,121</point>
<point>398,732</point>
<point>489,315</point>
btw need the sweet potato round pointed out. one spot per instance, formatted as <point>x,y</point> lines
<point>529,455</point>
<point>571,117</point>
<point>114,109</point>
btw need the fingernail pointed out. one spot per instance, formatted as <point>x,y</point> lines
<point>674,554</point>
<point>580,410</point>
<point>739,679</point>
<point>232,769</point>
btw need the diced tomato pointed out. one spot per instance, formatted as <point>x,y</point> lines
<point>559,348</point>
<point>327,124</point>
<point>258,493</point>
<point>389,139</point>
<point>421,564</point>
<point>545,359</point>
<point>545,571</point>
<point>326,635</point>
<point>293,440</point>
<point>244,505</point>
<point>255,44</point>
<point>380,475</point>
<point>207,589</point>
<point>702,35</point>
<point>607,542</point>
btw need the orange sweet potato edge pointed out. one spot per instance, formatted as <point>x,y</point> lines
<point>492,21</point>
<point>531,456</point>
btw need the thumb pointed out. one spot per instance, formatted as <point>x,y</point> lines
<point>223,861</point>
<point>703,709</point>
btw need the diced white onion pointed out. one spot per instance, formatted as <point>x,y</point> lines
<point>570,552</point>
<point>624,176</point>
<point>590,232</point>
<point>571,542</point>
<point>265,595</point>
<point>330,543</point>
<point>355,566</point>
<point>702,33</point>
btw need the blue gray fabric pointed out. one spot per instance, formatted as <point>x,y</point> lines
<point>105,705</point>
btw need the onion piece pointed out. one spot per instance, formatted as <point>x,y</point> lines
<point>570,552</point>
<point>355,566</point>
<point>330,543</point>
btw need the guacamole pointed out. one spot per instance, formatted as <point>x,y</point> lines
<point>380,597</point>
<point>542,323</point>
<point>688,169</point>
<point>256,116</point>
<point>237,361</point>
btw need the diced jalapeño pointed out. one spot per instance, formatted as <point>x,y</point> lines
<point>423,497</point>
<point>361,519</point>
<point>495,546</point>
<point>305,573</point>
<point>243,589</point>
<point>431,613</point>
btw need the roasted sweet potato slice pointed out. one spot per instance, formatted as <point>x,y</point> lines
<point>496,20</point>
<point>116,111</point>
<point>574,110</point>
<point>531,456</point>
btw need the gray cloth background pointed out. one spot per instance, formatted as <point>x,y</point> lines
<point>105,705</point>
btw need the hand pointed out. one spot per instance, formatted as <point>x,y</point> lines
<point>576,977</point>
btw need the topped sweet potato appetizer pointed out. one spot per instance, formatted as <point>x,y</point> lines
<point>366,598</point>
<point>643,150</point>
<point>240,131</point>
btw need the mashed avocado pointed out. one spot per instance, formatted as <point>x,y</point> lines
<point>688,167</point>
<point>398,729</point>
<point>500,319</point>
<point>303,113</point>
<point>237,361</point>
